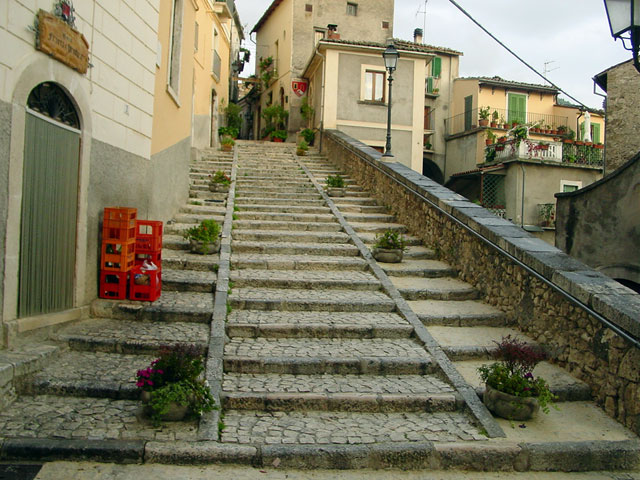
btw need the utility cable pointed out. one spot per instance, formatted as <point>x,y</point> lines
<point>516,55</point>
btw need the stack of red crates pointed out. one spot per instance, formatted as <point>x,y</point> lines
<point>118,251</point>
<point>146,285</point>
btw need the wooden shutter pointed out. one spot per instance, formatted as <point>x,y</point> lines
<point>436,67</point>
<point>517,108</point>
<point>468,104</point>
<point>595,132</point>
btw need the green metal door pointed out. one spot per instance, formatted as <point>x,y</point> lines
<point>49,210</point>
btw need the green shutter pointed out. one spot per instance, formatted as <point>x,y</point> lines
<point>581,133</point>
<point>517,109</point>
<point>468,104</point>
<point>595,132</point>
<point>429,84</point>
<point>436,67</point>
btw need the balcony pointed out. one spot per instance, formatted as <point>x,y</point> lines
<point>577,153</point>
<point>470,120</point>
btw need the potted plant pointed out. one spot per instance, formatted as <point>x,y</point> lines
<point>302,148</point>
<point>226,143</point>
<point>219,182</point>
<point>491,137</point>
<point>598,145</point>
<point>546,214</point>
<point>204,238</point>
<point>308,134</point>
<point>306,110</point>
<point>335,186</point>
<point>502,122</point>
<point>494,119</point>
<point>279,136</point>
<point>389,247</point>
<point>230,131</point>
<point>512,392</point>
<point>428,146</point>
<point>172,387</point>
<point>484,114</point>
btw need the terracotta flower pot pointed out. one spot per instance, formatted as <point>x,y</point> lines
<point>176,411</point>
<point>483,122</point>
<point>386,255</point>
<point>509,406</point>
<point>277,140</point>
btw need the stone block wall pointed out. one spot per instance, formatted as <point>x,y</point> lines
<point>577,340</point>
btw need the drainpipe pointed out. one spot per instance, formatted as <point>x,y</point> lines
<point>322,93</point>
<point>522,205</point>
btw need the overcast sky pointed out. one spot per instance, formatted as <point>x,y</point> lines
<point>572,34</point>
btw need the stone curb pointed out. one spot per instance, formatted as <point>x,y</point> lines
<point>475,406</point>
<point>48,449</point>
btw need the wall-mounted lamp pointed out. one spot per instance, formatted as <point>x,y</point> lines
<point>624,21</point>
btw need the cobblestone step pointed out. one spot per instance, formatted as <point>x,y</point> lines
<point>362,227</point>
<point>53,417</point>
<point>182,221</point>
<point>310,300</point>
<point>369,238</point>
<point>368,209</point>
<point>277,191</point>
<point>290,236</point>
<point>418,268</point>
<point>181,259</point>
<point>305,279</point>
<point>312,195</point>
<point>419,252</point>
<point>131,337</point>
<point>291,225</point>
<point>188,280</point>
<point>207,196</point>
<point>247,202</point>
<point>339,428</point>
<point>296,262</point>
<point>203,209</point>
<point>88,374</point>
<point>420,288</point>
<point>295,248</point>
<point>341,202</point>
<point>278,324</point>
<point>293,209</point>
<point>174,242</point>
<point>285,217</point>
<point>368,217</point>
<point>170,307</point>
<point>472,343</point>
<point>457,313</point>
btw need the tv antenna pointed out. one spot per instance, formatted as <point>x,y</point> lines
<point>547,69</point>
<point>423,10</point>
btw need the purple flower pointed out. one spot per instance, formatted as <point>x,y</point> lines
<point>529,376</point>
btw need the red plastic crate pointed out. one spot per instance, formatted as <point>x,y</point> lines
<point>120,214</point>
<point>148,236</point>
<point>113,285</point>
<point>116,231</point>
<point>117,256</point>
<point>156,258</point>
<point>149,292</point>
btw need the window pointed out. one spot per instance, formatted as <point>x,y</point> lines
<point>569,186</point>
<point>374,86</point>
<point>468,112</point>
<point>318,35</point>
<point>385,25</point>
<point>595,132</point>
<point>352,9</point>
<point>175,48</point>
<point>427,118</point>
<point>436,67</point>
<point>308,7</point>
<point>516,108</point>
<point>216,64</point>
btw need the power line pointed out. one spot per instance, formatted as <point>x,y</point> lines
<point>516,55</point>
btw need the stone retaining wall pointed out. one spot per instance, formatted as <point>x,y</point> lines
<point>578,341</point>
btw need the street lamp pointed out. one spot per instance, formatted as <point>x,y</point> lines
<point>390,56</point>
<point>624,16</point>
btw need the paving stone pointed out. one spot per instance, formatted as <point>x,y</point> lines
<point>457,313</point>
<point>419,288</point>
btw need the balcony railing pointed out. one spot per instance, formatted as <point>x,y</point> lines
<point>568,153</point>
<point>217,64</point>
<point>470,120</point>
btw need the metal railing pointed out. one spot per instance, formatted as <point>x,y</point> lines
<point>470,120</point>
<point>567,153</point>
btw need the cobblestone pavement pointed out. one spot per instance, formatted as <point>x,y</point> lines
<point>296,262</point>
<point>346,427</point>
<point>328,319</point>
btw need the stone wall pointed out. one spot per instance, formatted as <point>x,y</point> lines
<point>608,362</point>
<point>623,101</point>
<point>5,138</point>
<point>599,224</point>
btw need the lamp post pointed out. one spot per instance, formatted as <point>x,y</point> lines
<point>624,16</point>
<point>390,56</point>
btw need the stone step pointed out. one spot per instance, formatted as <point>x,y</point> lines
<point>170,307</point>
<point>418,252</point>
<point>250,190</point>
<point>246,202</point>
<point>276,324</point>
<point>184,260</point>
<point>201,209</point>
<point>217,203</point>
<point>418,268</point>
<point>368,217</point>
<point>353,192</point>
<point>295,248</point>
<point>89,374</point>
<point>131,337</point>
<point>297,196</point>
<point>207,196</point>
<point>369,238</point>
<point>327,356</point>
<point>566,387</point>
<point>378,227</point>
<point>254,208</point>
<point>187,220</point>
<point>472,343</point>
<point>296,262</point>
<point>420,288</point>
<point>290,236</point>
<point>341,202</point>
<point>457,313</point>
<point>84,419</point>
<point>298,226</point>
<point>305,279</point>
<point>175,242</point>
<point>188,280</point>
<point>310,300</point>
<point>285,217</point>
<point>342,428</point>
<point>367,209</point>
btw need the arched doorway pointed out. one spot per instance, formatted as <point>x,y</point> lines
<point>49,202</point>
<point>432,171</point>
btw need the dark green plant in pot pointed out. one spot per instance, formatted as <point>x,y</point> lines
<point>309,135</point>
<point>335,181</point>
<point>390,240</point>
<point>204,234</point>
<point>280,134</point>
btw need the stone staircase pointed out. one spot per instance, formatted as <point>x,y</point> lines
<point>324,358</point>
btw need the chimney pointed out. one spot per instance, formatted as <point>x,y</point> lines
<point>417,35</point>
<point>332,34</point>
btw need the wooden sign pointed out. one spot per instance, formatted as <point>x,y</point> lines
<point>62,42</point>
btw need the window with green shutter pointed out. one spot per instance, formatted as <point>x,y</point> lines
<point>517,108</point>
<point>429,84</point>
<point>436,67</point>
<point>468,118</point>
<point>595,132</point>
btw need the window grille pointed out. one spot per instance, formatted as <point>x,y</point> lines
<point>493,195</point>
<point>352,9</point>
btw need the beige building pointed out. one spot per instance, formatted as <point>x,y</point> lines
<point>289,31</point>
<point>348,90</point>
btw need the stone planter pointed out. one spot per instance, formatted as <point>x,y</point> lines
<point>387,255</point>
<point>509,406</point>
<point>301,153</point>
<point>176,411</point>
<point>219,187</point>
<point>226,148</point>
<point>199,248</point>
<point>336,192</point>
